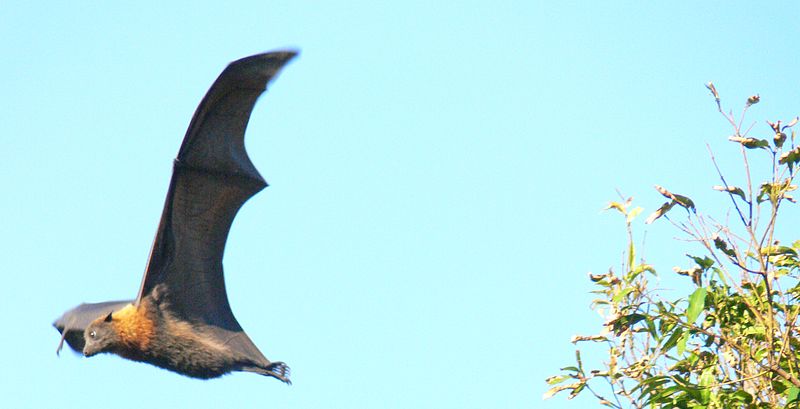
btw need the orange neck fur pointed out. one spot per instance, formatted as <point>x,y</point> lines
<point>134,327</point>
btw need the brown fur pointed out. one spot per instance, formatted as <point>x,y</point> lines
<point>148,333</point>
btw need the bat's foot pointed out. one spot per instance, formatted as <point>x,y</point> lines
<point>275,369</point>
<point>279,370</point>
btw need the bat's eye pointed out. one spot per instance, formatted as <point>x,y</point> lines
<point>92,334</point>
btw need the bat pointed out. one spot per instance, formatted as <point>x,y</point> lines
<point>181,319</point>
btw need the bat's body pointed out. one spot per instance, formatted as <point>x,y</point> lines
<point>181,319</point>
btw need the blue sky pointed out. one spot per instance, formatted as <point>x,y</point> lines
<point>437,177</point>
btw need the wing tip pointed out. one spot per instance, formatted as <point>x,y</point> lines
<point>252,72</point>
<point>272,59</point>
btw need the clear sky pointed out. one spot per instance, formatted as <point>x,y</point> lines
<point>437,177</point>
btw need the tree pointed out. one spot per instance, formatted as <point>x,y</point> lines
<point>731,342</point>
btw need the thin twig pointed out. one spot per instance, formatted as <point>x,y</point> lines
<point>724,182</point>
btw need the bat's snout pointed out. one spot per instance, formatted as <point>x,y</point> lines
<point>89,352</point>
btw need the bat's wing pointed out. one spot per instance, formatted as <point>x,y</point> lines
<point>72,324</point>
<point>211,180</point>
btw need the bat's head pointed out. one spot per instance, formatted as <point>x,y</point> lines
<point>100,336</point>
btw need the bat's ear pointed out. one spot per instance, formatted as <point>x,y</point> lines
<point>108,317</point>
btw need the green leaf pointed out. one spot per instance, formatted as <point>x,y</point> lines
<point>705,263</point>
<point>705,383</point>
<point>742,396</point>
<point>684,201</point>
<point>681,200</point>
<point>722,245</point>
<point>750,143</point>
<point>696,304</point>
<point>776,191</point>
<point>576,391</point>
<point>682,342</point>
<point>791,157</point>
<point>639,270</point>
<point>781,387</point>
<point>713,90</point>
<point>633,213</point>
<point>695,273</point>
<point>720,275</point>
<point>792,393</point>
<point>556,389</point>
<point>687,387</point>
<point>622,294</point>
<point>777,250</point>
<point>631,255</point>
<point>758,330</point>
<point>779,139</point>
<point>660,212</point>
<point>672,340</point>
<point>732,190</point>
<point>651,328</point>
<point>557,379</point>
<point>618,206</point>
<point>623,323</point>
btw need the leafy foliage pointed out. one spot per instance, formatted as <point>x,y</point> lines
<point>731,342</point>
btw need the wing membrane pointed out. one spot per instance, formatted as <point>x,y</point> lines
<point>212,178</point>
<point>73,323</point>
